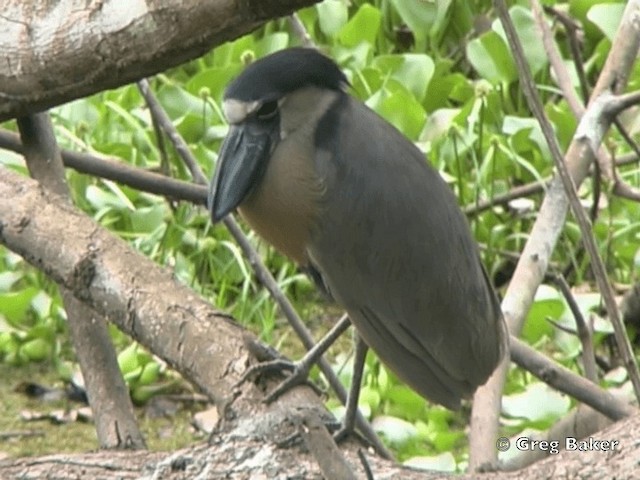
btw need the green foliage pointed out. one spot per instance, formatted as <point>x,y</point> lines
<point>443,74</point>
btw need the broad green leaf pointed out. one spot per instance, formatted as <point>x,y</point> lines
<point>79,111</point>
<point>529,37</point>
<point>8,278</point>
<point>214,80</point>
<point>491,58</point>
<point>538,403</point>
<point>14,305</point>
<point>41,304</point>
<point>232,51</point>
<point>36,350</point>
<point>579,9</point>
<point>400,108</point>
<point>513,124</point>
<point>548,303</point>
<point>271,43</point>
<point>438,124</point>
<point>332,16</point>
<point>418,15</point>
<point>588,304</point>
<point>147,219</point>
<point>369,396</point>
<point>100,198</point>
<point>569,343</point>
<point>396,430</point>
<point>405,402</point>
<point>607,18</point>
<point>363,27</point>
<point>414,71</point>
<point>178,102</point>
<point>564,122</point>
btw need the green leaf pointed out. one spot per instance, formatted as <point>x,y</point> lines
<point>7,279</point>
<point>214,79</point>
<point>405,402</point>
<point>399,108</point>
<point>363,27</point>
<point>491,58</point>
<point>418,15</point>
<point>588,304</point>
<point>529,37</point>
<point>79,111</point>
<point>128,359</point>
<point>396,430</point>
<point>512,125</point>
<point>100,199</point>
<point>332,16</point>
<point>36,350</point>
<point>547,304</point>
<point>147,219</point>
<point>414,71</point>
<point>538,403</point>
<point>271,43</point>
<point>14,305</point>
<point>607,18</point>
<point>370,397</point>
<point>178,102</point>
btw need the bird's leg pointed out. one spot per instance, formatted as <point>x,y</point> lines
<point>351,408</point>
<point>300,369</point>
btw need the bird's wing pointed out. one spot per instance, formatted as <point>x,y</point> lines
<point>395,250</point>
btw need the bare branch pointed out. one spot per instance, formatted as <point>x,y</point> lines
<point>167,127</point>
<point>299,30</point>
<point>584,330</point>
<point>71,48</point>
<point>618,103</point>
<point>555,59</point>
<point>566,381</point>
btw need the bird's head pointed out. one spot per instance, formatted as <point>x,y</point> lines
<point>252,105</point>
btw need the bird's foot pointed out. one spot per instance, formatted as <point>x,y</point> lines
<point>299,373</point>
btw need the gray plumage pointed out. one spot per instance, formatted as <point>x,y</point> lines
<point>348,197</point>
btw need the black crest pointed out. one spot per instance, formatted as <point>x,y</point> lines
<point>283,72</point>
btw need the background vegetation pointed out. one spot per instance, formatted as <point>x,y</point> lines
<point>442,73</point>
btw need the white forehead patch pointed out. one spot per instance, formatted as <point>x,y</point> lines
<point>237,111</point>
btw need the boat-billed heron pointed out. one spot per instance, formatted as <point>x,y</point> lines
<point>340,191</point>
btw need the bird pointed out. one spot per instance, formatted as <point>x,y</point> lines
<point>344,194</point>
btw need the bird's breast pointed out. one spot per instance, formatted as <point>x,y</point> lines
<point>284,207</point>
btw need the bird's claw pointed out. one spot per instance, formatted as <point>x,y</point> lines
<point>298,376</point>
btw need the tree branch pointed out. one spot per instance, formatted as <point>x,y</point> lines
<point>70,49</point>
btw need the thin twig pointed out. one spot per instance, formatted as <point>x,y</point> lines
<point>167,126</point>
<point>618,103</point>
<point>555,59</point>
<point>584,330</point>
<point>627,137</point>
<point>573,30</point>
<point>299,30</point>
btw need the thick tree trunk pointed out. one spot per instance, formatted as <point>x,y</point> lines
<point>58,50</point>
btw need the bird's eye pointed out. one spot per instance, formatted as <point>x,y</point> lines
<point>267,110</point>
